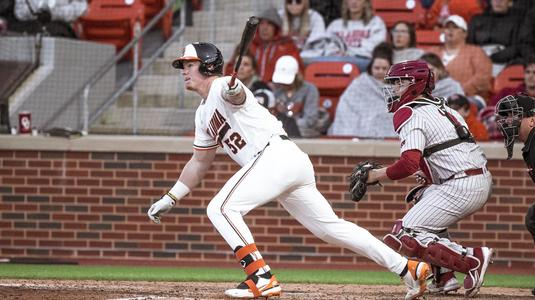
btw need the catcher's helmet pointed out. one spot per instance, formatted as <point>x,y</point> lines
<point>208,54</point>
<point>421,79</point>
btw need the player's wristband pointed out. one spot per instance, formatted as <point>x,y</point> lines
<point>178,191</point>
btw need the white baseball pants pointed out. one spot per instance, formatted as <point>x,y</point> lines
<point>283,172</point>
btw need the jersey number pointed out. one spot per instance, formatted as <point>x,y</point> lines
<point>235,142</point>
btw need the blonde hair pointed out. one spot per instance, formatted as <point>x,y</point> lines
<point>367,13</point>
<point>304,25</point>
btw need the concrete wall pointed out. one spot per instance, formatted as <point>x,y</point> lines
<point>66,65</point>
<point>86,199</point>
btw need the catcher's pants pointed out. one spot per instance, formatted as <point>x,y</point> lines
<point>442,205</point>
<point>282,171</point>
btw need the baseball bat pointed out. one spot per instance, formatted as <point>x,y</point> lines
<point>246,38</point>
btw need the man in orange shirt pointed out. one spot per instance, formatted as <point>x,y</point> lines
<point>467,64</point>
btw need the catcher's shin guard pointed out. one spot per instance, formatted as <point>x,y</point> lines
<point>441,255</point>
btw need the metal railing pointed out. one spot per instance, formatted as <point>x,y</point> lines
<point>83,93</point>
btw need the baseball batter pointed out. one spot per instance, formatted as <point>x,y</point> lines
<point>272,167</point>
<point>435,140</point>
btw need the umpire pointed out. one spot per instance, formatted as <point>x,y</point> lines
<point>515,116</point>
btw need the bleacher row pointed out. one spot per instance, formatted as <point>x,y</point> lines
<point>331,79</point>
<point>116,21</point>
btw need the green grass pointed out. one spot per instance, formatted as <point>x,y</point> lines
<point>75,272</point>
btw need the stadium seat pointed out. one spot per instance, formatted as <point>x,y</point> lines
<point>152,8</point>
<point>426,39</point>
<point>509,77</point>
<point>112,22</point>
<point>392,11</point>
<point>331,79</point>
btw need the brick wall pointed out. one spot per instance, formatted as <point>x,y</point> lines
<point>92,205</point>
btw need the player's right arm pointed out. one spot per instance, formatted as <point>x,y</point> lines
<point>196,167</point>
<point>191,176</point>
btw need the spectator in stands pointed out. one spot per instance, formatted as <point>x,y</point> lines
<point>302,23</point>
<point>404,42</point>
<point>296,99</point>
<point>55,16</point>
<point>361,111</point>
<point>445,86</point>
<point>248,76</point>
<point>442,9</point>
<point>467,64</point>
<point>528,87</point>
<point>496,31</point>
<point>360,30</point>
<point>269,44</point>
<point>526,36</point>
<point>469,112</point>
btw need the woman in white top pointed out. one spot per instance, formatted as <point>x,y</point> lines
<point>360,30</point>
<point>301,23</point>
<point>404,42</point>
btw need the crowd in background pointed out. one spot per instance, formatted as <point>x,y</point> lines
<point>54,18</point>
<point>479,39</point>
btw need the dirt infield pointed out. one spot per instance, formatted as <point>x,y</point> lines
<point>84,289</point>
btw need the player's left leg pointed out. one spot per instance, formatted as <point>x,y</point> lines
<point>312,210</point>
<point>274,171</point>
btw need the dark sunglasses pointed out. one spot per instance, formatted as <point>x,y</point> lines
<point>293,1</point>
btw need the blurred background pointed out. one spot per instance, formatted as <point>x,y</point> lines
<point>103,66</point>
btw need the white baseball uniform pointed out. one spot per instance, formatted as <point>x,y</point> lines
<point>454,194</point>
<point>272,168</point>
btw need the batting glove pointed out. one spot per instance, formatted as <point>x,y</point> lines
<point>162,206</point>
<point>234,94</point>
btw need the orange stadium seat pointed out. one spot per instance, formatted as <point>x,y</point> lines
<point>112,22</point>
<point>152,8</point>
<point>509,77</point>
<point>426,39</point>
<point>392,11</point>
<point>331,79</point>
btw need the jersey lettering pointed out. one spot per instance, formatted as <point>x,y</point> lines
<point>216,123</point>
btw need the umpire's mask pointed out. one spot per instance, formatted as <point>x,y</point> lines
<point>509,115</point>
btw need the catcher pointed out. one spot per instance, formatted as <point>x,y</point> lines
<point>435,140</point>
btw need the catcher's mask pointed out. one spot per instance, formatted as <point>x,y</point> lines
<point>510,111</point>
<point>208,54</point>
<point>405,81</point>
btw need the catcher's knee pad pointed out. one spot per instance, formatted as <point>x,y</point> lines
<point>404,243</point>
<point>441,255</point>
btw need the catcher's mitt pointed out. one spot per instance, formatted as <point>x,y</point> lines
<point>359,177</point>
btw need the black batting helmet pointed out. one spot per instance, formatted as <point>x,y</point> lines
<point>210,57</point>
